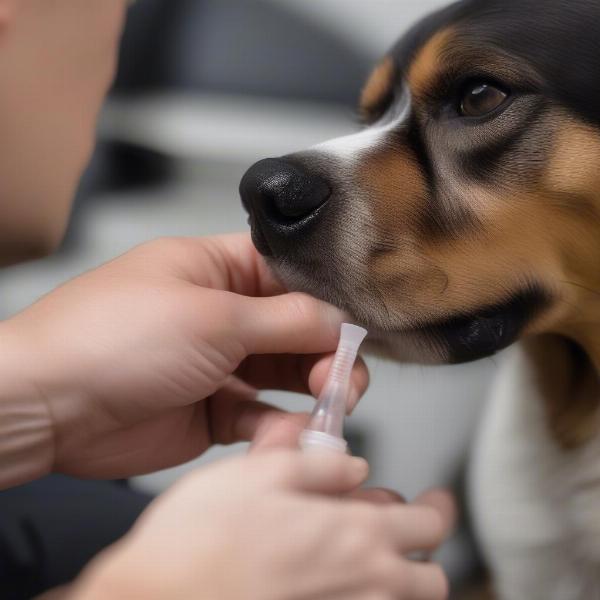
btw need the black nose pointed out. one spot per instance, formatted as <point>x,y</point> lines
<point>282,200</point>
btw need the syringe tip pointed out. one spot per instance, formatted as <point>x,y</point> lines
<point>327,422</point>
<point>352,335</point>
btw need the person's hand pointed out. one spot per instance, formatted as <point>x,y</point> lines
<point>280,525</point>
<point>150,359</point>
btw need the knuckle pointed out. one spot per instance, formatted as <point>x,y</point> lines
<point>370,519</point>
<point>356,543</point>
<point>368,528</point>
<point>355,538</point>
<point>365,536</point>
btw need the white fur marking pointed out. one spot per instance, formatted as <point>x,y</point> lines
<point>536,514</point>
<point>349,148</point>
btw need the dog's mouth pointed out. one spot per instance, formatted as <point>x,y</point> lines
<point>460,337</point>
<point>478,334</point>
<point>414,333</point>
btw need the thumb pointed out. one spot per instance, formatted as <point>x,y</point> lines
<point>326,472</point>
<point>288,324</point>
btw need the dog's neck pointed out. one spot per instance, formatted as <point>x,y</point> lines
<point>582,326</point>
<point>588,338</point>
<point>567,363</point>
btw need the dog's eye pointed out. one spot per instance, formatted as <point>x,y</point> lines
<point>480,99</point>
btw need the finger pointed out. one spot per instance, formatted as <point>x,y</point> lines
<point>421,581</point>
<point>379,496</point>
<point>299,373</point>
<point>289,372</point>
<point>280,430</point>
<point>224,262</point>
<point>444,503</point>
<point>326,472</point>
<point>233,414</point>
<point>415,528</point>
<point>358,384</point>
<point>287,324</point>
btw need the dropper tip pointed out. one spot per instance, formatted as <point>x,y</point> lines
<point>352,334</point>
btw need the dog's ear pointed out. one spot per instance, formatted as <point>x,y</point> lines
<point>378,91</point>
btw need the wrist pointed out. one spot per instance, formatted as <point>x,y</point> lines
<point>26,430</point>
<point>113,574</point>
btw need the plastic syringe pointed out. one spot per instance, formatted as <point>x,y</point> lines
<point>325,429</point>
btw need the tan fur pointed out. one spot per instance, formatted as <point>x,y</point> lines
<point>570,390</point>
<point>574,170</point>
<point>425,66</point>
<point>396,189</point>
<point>574,166</point>
<point>377,86</point>
<point>480,266</point>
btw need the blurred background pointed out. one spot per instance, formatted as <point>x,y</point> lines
<point>205,88</point>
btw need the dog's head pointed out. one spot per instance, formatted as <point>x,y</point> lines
<point>467,213</point>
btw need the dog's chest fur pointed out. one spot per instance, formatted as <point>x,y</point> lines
<point>536,506</point>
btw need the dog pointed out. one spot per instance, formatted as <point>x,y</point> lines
<point>464,217</point>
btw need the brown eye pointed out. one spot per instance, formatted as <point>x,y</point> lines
<point>480,99</point>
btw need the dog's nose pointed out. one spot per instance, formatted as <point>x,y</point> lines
<point>282,199</point>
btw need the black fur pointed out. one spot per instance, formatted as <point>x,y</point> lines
<point>489,329</point>
<point>558,39</point>
<point>554,48</point>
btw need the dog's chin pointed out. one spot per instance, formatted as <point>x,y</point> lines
<point>482,333</point>
<point>462,337</point>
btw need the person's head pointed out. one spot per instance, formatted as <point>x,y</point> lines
<point>57,60</point>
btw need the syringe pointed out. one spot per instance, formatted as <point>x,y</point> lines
<point>325,429</point>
